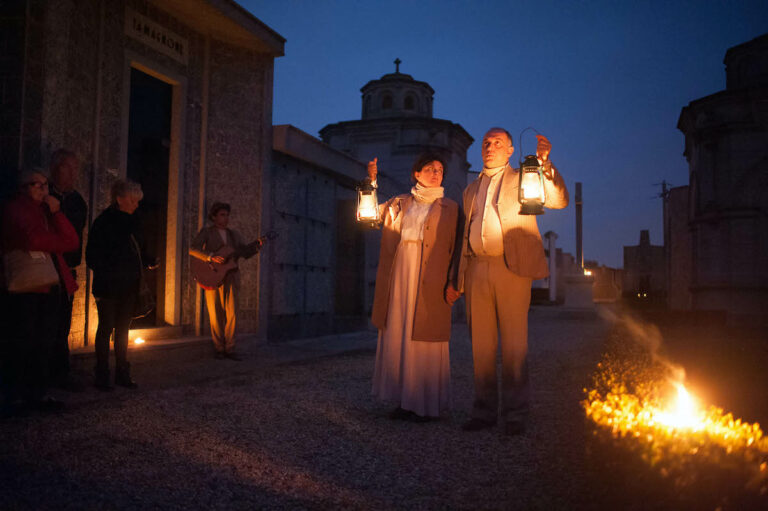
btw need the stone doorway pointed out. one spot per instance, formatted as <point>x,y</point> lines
<point>148,158</point>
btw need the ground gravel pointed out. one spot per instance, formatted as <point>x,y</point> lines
<point>294,427</point>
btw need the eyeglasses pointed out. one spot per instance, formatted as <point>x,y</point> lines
<point>38,184</point>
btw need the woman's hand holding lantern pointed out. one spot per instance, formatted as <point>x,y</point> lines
<point>373,169</point>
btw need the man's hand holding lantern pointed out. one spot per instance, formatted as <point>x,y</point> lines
<point>543,148</point>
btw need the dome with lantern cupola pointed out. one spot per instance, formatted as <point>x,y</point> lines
<point>396,95</point>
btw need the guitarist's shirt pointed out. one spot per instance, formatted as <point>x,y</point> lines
<point>223,233</point>
<point>227,243</point>
<point>210,240</point>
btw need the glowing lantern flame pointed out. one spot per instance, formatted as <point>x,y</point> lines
<point>139,340</point>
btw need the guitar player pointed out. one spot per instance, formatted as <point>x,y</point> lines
<point>222,302</point>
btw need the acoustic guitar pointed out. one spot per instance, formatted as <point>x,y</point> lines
<point>210,275</point>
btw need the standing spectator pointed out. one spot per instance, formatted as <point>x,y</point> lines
<point>113,253</point>
<point>34,230</point>
<point>65,168</point>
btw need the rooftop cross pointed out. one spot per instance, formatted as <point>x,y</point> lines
<point>397,65</point>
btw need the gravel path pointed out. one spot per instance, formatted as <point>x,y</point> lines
<point>304,432</point>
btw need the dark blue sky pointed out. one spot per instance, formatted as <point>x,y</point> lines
<point>605,81</point>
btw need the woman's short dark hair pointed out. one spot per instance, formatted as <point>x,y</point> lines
<point>424,159</point>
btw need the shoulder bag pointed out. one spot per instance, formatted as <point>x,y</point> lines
<point>27,271</point>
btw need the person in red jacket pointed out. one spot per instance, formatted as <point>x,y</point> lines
<point>33,222</point>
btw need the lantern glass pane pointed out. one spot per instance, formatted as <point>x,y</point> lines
<point>531,185</point>
<point>368,207</point>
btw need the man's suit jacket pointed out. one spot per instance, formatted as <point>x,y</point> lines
<point>523,249</point>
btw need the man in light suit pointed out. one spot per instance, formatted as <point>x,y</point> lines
<point>501,255</point>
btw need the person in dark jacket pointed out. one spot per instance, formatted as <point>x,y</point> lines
<point>113,253</point>
<point>64,169</point>
<point>33,224</point>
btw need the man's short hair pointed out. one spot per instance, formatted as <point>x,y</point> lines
<point>123,188</point>
<point>60,156</point>
<point>218,206</point>
<point>511,142</point>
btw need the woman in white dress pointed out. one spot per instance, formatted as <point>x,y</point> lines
<point>411,308</point>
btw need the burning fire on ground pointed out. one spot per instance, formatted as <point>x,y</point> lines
<point>640,402</point>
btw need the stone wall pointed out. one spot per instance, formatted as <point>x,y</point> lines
<point>240,109</point>
<point>318,243</point>
<point>76,95</point>
<point>679,250</point>
<point>726,145</point>
<point>12,32</point>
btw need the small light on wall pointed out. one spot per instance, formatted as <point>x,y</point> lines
<point>138,340</point>
<point>587,272</point>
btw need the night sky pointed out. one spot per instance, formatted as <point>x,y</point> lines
<point>605,81</point>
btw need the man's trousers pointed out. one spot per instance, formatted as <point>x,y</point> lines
<point>222,312</point>
<point>497,309</point>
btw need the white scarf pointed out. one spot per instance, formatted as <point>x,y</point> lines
<point>490,172</point>
<point>427,194</point>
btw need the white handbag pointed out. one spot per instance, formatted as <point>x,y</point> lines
<point>28,270</point>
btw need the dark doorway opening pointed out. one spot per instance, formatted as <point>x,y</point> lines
<point>149,142</point>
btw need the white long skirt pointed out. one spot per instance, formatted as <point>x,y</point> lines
<point>414,374</point>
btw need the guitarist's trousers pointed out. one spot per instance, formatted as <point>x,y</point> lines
<point>222,312</point>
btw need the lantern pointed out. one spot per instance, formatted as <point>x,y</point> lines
<point>530,192</point>
<point>367,203</point>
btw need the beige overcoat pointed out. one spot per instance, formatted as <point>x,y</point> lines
<point>523,249</point>
<point>432,319</point>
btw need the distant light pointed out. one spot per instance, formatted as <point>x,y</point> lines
<point>139,340</point>
<point>587,272</point>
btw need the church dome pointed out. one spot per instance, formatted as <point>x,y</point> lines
<point>396,95</point>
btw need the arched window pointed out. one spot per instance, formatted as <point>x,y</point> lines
<point>410,103</point>
<point>386,102</point>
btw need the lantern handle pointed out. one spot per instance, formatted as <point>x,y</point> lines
<point>520,142</point>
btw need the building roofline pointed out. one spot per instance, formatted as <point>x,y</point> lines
<point>259,25</point>
<point>400,120</point>
<point>761,40</point>
<point>243,27</point>
<point>289,139</point>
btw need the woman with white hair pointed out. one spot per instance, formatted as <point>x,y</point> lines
<point>114,254</point>
<point>35,234</point>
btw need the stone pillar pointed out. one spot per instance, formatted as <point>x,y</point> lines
<point>578,287</point>
<point>579,237</point>
<point>550,236</point>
